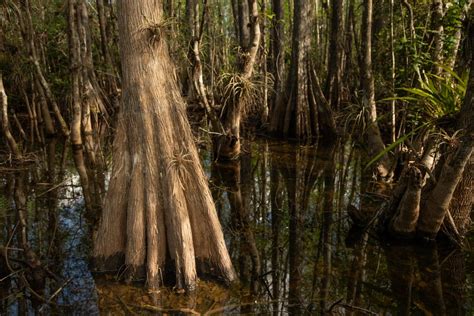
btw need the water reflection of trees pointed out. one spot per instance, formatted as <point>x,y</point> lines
<point>32,248</point>
<point>284,211</point>
<point>286,225</point>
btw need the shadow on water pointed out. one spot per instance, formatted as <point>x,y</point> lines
<point>284,213</point>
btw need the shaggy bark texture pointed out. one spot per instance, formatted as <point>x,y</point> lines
<point>158,207</point>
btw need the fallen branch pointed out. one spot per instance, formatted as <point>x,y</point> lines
<point>152,308</point>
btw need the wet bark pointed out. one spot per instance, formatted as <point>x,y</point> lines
<point>167,212</point>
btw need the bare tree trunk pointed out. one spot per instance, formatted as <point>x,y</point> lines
<point>336,50</point>
<point>244,11</point>
<point>374,138</point>
<point>158,192</point>
<point>437,28</point>
<point>86,105</point>
<point>277,51</point>
<point>29,35</point>
<point>11,142</point>
<point>196,32</point>
<point>111,72</point>
<point>227,146</point>
<point>292,116</point>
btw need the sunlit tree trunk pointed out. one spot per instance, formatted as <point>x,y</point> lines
<point>11,142</point>
<point>197,76</point>
<point>227,145</point>
<point>158,206</point>
<point>374,139</point>
<point>87,103</point>
<point>426,210</point>
<point>437,29</point>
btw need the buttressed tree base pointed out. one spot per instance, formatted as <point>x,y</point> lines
<point>158,208</point>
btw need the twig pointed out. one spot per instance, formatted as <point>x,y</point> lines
<point>126,306</point>
<point>359,309</point>
<point>334,305</point>
<point>52,188</point>
<point>55,294</point>
<point>224,308</point>
<point>11,274</point>
<point>166,310</point>
<point>210,132</point>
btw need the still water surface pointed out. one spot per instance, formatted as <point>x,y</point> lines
<point>284,213</point>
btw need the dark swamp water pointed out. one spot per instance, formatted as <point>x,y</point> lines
<point>283,209</point>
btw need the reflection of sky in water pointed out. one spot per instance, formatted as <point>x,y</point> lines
<point>80,293</point>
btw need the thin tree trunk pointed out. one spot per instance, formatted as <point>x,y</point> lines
<point>393,117</point>
<point>437,28</point>
<point>374,138</point>
<point>277,51</point>
<point>195,26</point>
<point>28,37</point>
<point>336,50</point>
<point>227,146</point>
<point>14,149</point>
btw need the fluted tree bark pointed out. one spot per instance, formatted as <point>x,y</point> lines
<point>158,208</point>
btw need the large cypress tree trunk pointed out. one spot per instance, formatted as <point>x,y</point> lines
<point>158,207</point>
